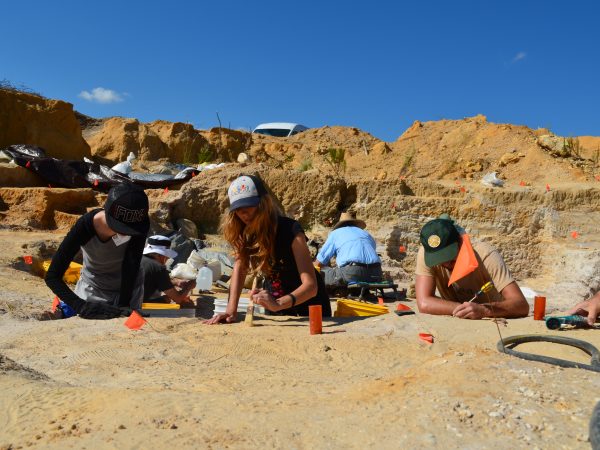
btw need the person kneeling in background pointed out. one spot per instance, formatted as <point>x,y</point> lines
<point>159,287</point>
<point>355,253</point>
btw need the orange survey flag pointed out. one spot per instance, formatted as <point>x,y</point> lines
<point>135,321</point>
<point>55,303</point>
<point>466,261</point>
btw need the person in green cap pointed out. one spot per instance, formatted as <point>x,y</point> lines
<point>441,239</point>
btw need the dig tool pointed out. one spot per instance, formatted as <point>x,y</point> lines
<point>485,288</point>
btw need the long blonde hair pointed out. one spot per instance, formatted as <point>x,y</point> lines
<point>253,244</point>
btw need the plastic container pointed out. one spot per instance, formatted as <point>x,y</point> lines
<point>215,266</point>
<point>315,319</point>
<point>221,306</point>
<point>195,260</point>
<point>353,308</point>
<point>539,307</point>
<point>166,310</point>
<point>204,279</point>
<point>71,275</point>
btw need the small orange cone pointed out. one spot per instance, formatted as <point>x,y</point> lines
<point>426,337</point>
<point>547,188</point>
<point>402,249</point>
<point>166,190</point>
<point>574,234</point>
<point>28,259</point>
<point>402,307</point>
<point>522,183</point>
<point>55,303</point>
<point>135,321</point>
<point>380,300</point>
<point>95,182</point>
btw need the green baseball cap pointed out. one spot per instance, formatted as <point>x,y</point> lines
<point>440,240</point>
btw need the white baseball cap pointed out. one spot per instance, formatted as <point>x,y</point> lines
<point>160,245</point>
<point>245,191</point>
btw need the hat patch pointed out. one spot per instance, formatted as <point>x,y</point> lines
<point>434,241</point>
<point>126,215</point>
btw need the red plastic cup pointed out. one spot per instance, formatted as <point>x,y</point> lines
<point>315,319</point>
<point>539,307</point>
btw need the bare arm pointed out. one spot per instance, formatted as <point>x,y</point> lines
<point>427,301</point>
<point>180,293</point>
<point>512,305</point>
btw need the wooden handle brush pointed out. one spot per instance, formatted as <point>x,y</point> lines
<point>249,319</point>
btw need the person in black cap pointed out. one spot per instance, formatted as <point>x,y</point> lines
<point>159,287</point>
<point>274,246</point>
<point>112,241</point>
<point>440,244</point>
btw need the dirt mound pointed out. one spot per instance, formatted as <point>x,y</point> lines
<point>468,149</point>
<point>34,120</point>
<point>112,139</point>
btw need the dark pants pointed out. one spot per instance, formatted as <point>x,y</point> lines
<point>341,276</point>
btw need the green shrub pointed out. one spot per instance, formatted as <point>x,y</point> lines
<point>205,155</point>
<point>572,146</point>
<point>305,165</point>
<point>336,158</point>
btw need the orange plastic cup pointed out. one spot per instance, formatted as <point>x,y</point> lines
<point>539,307</point>
<point>315,319</point>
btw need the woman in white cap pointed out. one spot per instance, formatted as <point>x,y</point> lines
<point>156,276</point>
<point>112,241</point>
<point>272,245</point>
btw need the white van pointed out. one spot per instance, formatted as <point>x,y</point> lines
<point>279,129</point>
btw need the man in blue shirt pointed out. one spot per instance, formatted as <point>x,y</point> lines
<point>354,252</point>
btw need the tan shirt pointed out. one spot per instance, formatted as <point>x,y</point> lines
<point>491,268</point>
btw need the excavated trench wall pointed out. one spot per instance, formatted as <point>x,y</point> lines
<point>547,238</point>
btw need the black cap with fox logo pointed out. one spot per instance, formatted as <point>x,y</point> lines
<point>127,210</point>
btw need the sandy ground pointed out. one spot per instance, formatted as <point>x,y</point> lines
<point>365,382</point>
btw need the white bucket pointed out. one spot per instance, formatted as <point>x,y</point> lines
<point>221,306</point>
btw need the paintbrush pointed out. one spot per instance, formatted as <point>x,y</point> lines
<point>249,320</point>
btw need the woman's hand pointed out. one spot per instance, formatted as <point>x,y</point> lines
<point>263,298</point>
<point>221,318</point>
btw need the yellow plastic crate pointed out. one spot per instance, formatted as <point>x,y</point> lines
<point>71,275</point>
<point>353,308</point>
<point>160,306</point>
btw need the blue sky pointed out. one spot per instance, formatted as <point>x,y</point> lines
<point>376,65</point>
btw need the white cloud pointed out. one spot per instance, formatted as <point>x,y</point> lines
<point>519,57</point>
<point>101,95</point>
